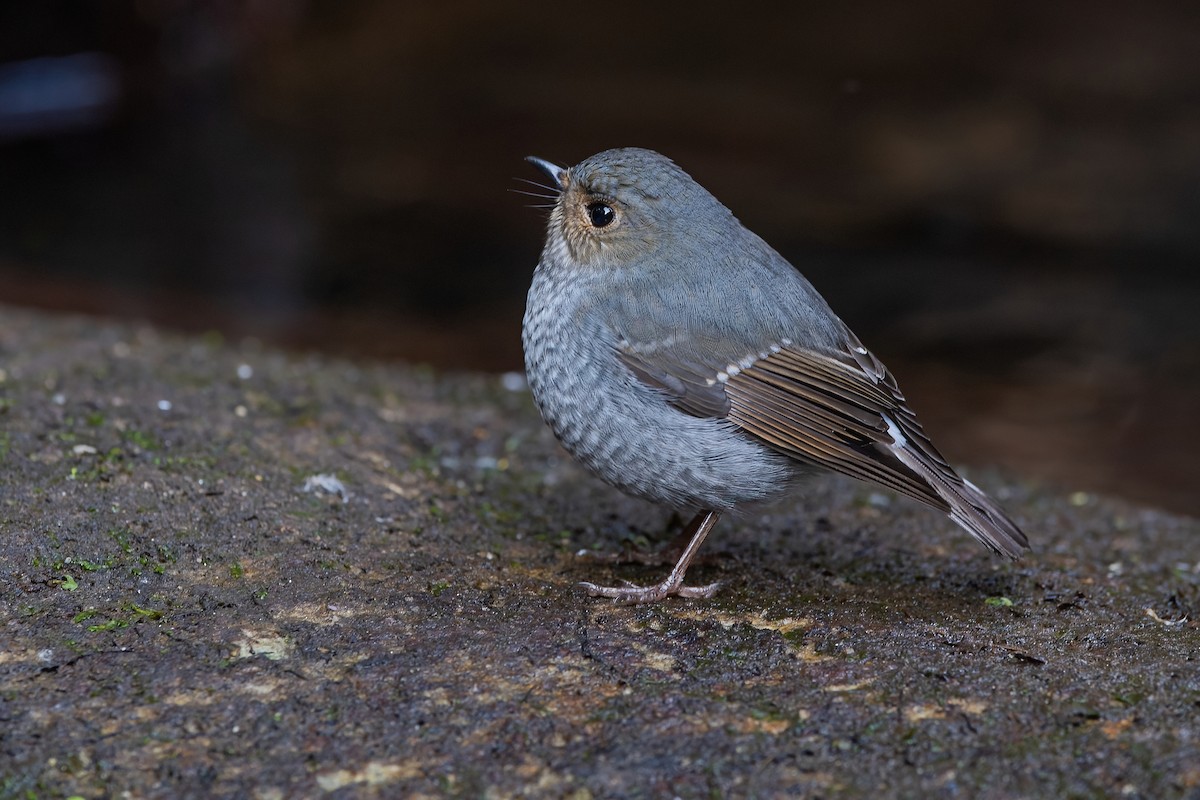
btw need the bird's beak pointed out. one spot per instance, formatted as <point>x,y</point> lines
<point>553,171</point>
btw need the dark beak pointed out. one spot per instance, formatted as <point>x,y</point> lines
<point>553,171</point>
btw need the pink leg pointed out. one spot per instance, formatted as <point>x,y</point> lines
<point>673,584</point>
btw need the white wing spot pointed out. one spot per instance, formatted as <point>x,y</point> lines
<point>894,431</point>
<point>651,346</point>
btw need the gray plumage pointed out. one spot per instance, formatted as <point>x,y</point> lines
<point>683,360</point>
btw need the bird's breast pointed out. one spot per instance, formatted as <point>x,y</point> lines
<point>621,429</point>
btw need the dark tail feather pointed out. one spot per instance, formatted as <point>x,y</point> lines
<point>985,520</point>
<point>969,506</point>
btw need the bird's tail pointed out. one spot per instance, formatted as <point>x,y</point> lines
<point>983,519</point>
<point>977,513</point>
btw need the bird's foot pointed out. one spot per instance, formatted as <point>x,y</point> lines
<point>673,585</point>
<point>631,593</point>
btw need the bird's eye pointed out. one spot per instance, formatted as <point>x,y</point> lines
<point>601,214</point>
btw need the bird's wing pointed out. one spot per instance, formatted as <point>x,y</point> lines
<point>842,411</point>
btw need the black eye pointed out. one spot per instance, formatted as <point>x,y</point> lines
<point>600,214</point>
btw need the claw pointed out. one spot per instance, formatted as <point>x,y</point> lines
<point>673,585</point>
<point>632,593</point>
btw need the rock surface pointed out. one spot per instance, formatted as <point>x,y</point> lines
<point>227,571</point>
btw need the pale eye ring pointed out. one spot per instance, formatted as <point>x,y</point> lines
<point>600,214</point>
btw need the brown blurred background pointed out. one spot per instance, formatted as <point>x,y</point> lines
<point>1002,199</point>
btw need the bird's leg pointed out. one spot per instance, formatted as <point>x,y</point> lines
<point>632,554</point>
<point>673,584</point>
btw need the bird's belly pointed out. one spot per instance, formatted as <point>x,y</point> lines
<point>630,436</point>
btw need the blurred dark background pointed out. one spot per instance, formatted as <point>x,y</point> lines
<point>1001,198</point>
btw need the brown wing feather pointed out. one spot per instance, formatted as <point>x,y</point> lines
<point>843,413</point>
<point>835,420</point>
<point>690,387</point>
<point>872,395</point>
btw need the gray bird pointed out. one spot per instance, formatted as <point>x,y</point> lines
<point>682,360</point>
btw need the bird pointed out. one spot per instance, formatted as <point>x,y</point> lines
<point>681,359</point>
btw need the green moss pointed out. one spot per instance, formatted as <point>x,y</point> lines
<point>122,537</point>
<point>145,613</point>
<point>142,439</point>
<point>111,625</point>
